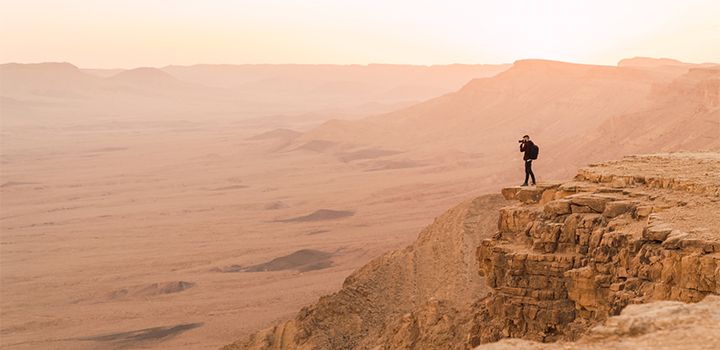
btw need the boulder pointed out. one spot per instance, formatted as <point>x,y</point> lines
<point>595,202</point>
<point>529,195</point>
<point>674,239</point>
<point>643,211</point>
<point>657,232</point>
<point>617,208</point>
<point>510,192</point>
<point>580,209</point>
<point>557,207</point>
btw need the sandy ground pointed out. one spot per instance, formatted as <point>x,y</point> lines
<point>144,235</point>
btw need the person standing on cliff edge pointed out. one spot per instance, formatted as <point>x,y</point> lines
<point>530,152</point>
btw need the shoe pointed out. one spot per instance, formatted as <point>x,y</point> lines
<point>525,184</point>
<point>533,184</point>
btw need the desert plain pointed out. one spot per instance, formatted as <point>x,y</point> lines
<point>136,219</point>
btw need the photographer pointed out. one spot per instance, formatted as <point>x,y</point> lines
<point>530,151</point>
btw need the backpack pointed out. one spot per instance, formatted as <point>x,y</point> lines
<point>534,151</point>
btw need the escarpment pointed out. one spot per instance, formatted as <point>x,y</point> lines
<point>560,258</point>
<point>571,254</point>
<point>416,297</point>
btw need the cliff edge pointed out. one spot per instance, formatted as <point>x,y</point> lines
<point>557,261</point>
<point>670,325</point>
<point>569,255</point>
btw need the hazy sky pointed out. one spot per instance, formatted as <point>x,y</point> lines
<point>129,33</point>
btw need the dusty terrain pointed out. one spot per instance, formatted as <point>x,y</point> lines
<point>144,212</point>
<point>558,260</point>
<point>161,208</point>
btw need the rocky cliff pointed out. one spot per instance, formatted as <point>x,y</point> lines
<point>561,258</point>
<point>670,325</point>
<point>569,255</point>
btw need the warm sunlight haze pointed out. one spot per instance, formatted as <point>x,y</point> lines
<point>359,175</point>
<point>131,33</point>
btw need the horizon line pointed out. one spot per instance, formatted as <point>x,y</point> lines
<point>360,64</point>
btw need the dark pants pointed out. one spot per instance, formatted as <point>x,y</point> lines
<point>528,171</point>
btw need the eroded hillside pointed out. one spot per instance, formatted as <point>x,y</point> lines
<point>578,113</point>
<point>421,294</point>
<point>563,257</point>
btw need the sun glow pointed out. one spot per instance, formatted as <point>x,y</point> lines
<point>136,33</point>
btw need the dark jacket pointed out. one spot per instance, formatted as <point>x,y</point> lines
<point>526,147</point>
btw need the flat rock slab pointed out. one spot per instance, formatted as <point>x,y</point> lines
<point>528,194</point>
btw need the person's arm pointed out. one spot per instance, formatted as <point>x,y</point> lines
<point>522,147</point>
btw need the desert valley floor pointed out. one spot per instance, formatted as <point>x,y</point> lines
<point>149,235</point>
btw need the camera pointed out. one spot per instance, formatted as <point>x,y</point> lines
<point>521,141</point>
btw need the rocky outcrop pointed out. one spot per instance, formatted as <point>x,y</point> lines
<point>662,325</point>
<point>570,255</point>
<point>564,257</point>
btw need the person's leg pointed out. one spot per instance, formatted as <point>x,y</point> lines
<point>532,175</point>
<point>527,173</point>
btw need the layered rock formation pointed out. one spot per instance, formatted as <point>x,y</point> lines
<point>564,257</point>
<point>572,254</point>
<point>662,325</point>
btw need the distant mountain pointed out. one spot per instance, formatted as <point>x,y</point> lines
<point>558,104</point>
<point>237,91</point>
<point>62,79</point>
<point>388,75</point>
<point>683,115</point>
<point>667,66</point>
<point>35,93</point>
<point>649,62</point>
<point>50,68</point>
<point>58,79</point>
<point>101,72</point>
<point>339,87</point>
<point>150,77</point>
<point>534,96</point>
